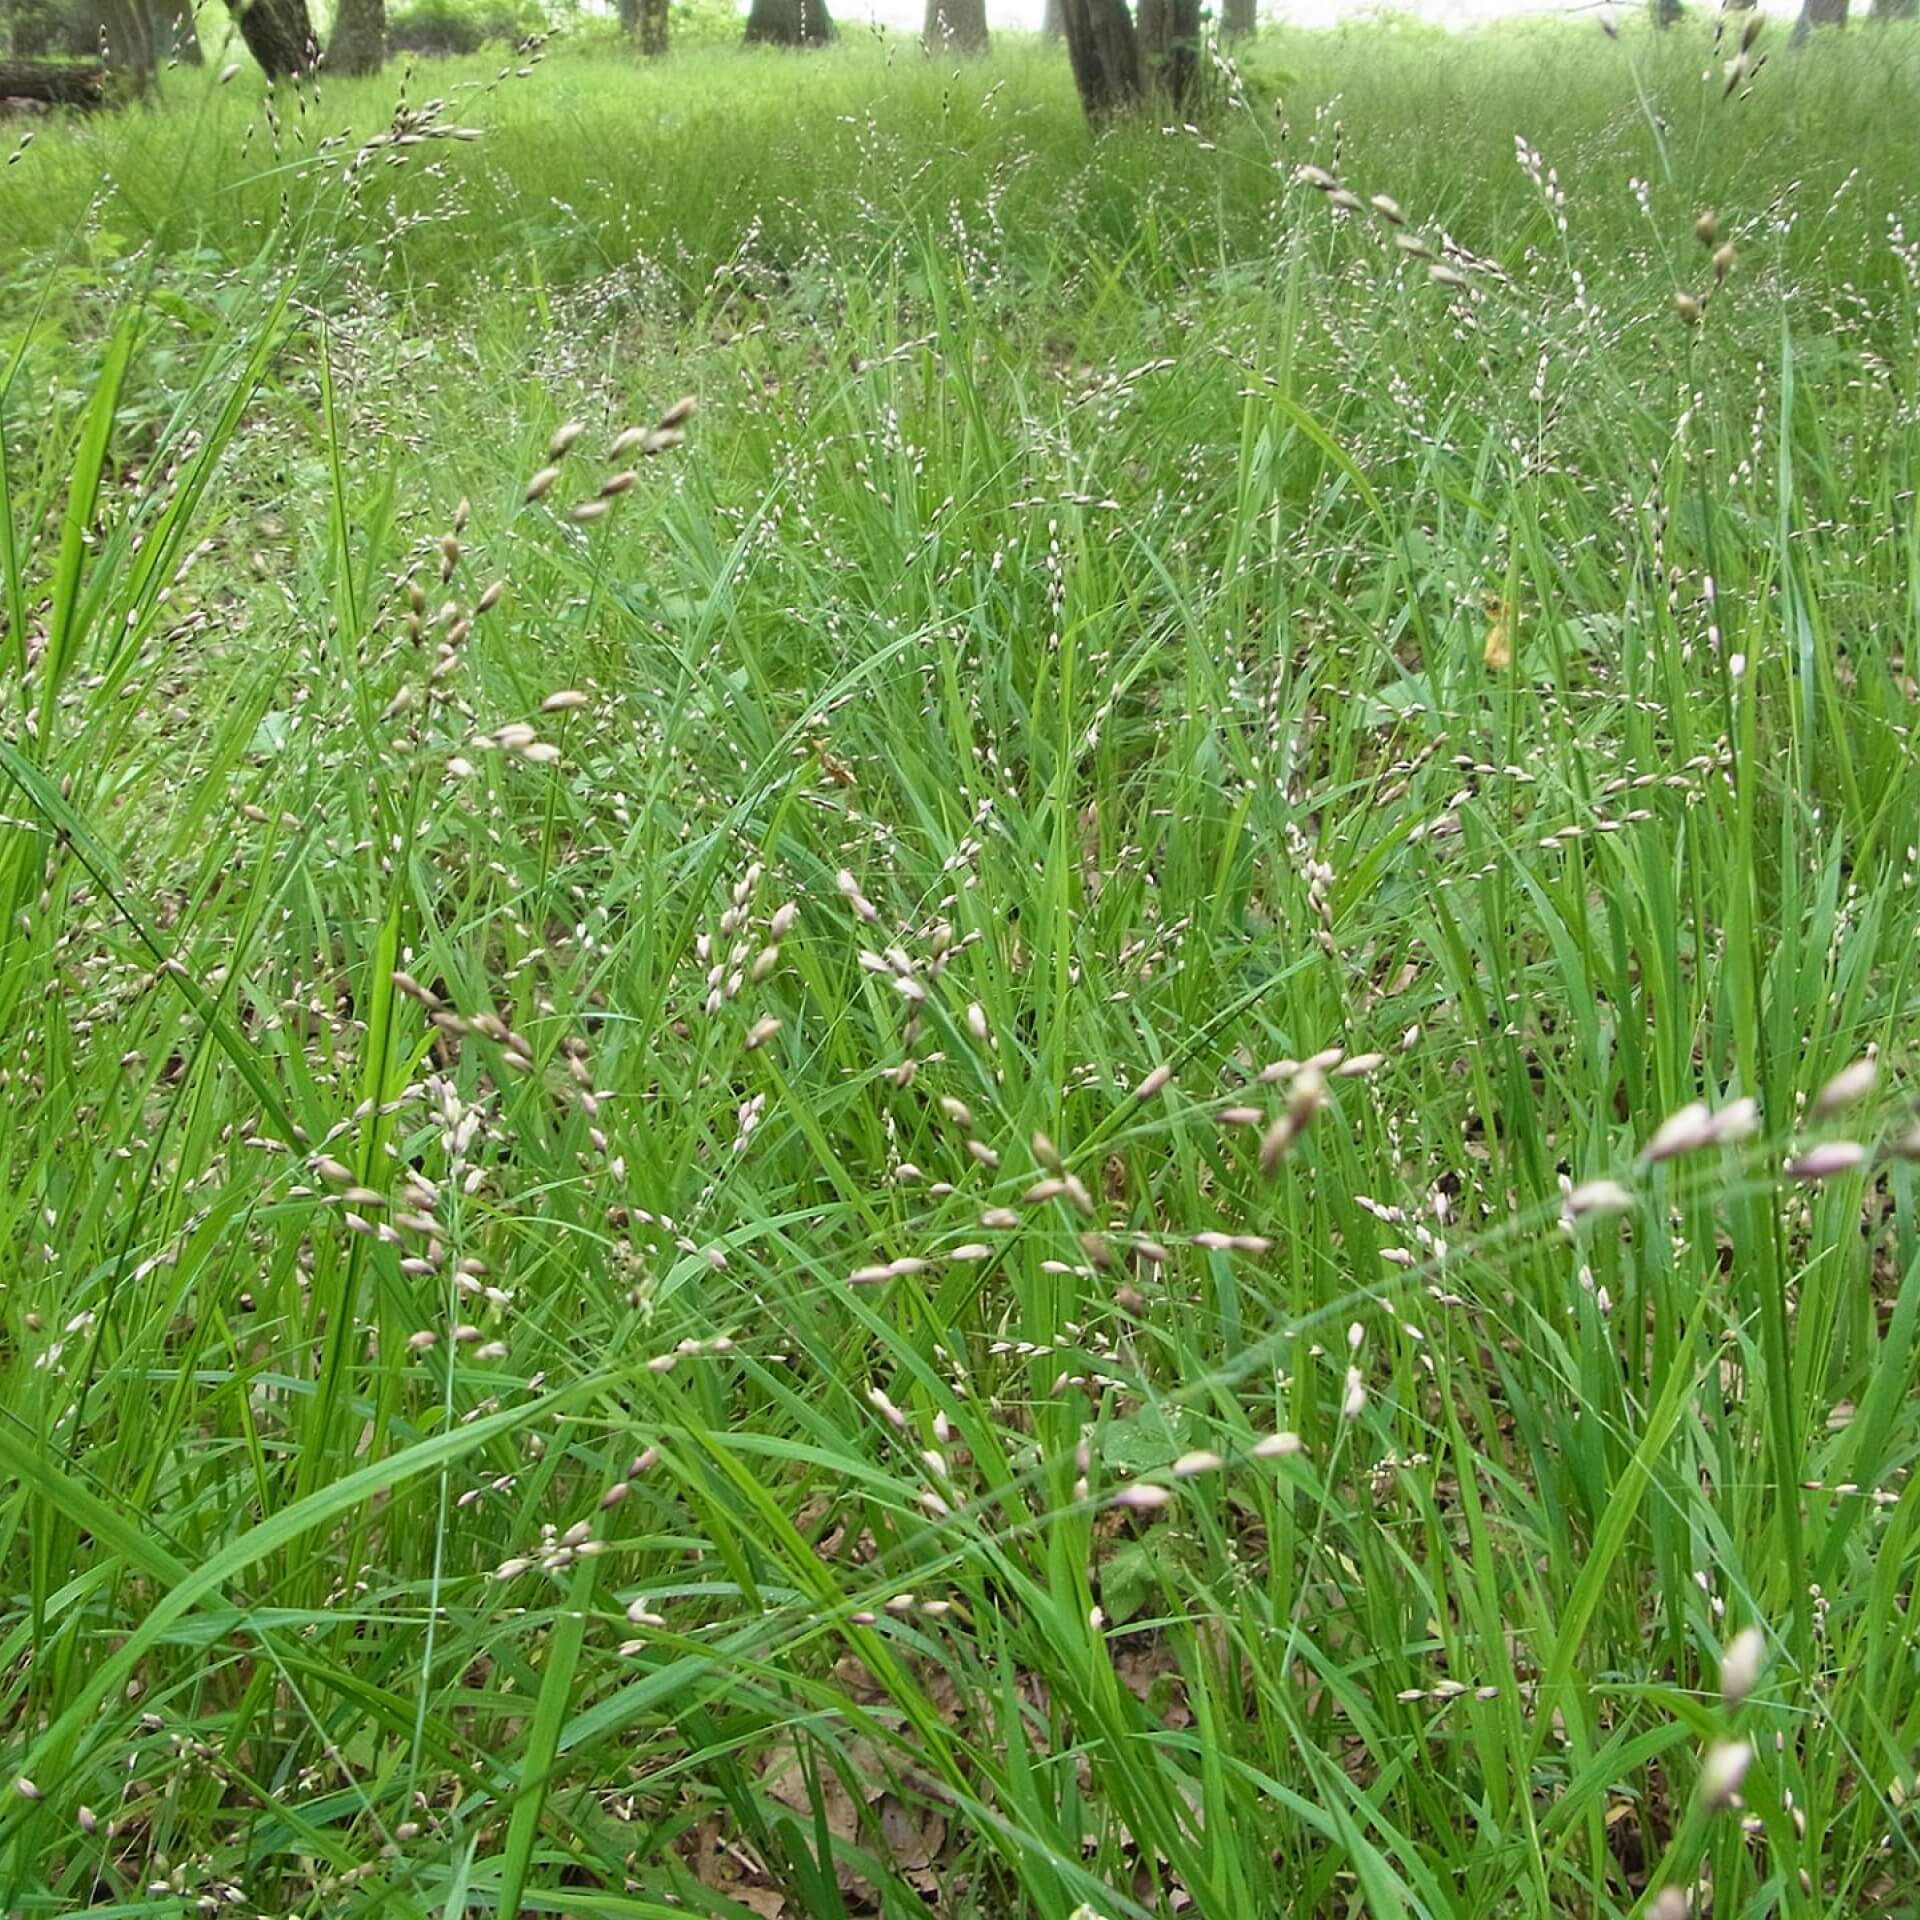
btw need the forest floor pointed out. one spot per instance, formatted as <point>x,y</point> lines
<point>1102,1105</point>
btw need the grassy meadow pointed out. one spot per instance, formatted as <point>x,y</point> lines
<point>1103,1106</point>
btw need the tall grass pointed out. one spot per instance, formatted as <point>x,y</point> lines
<point>1045,1122</point>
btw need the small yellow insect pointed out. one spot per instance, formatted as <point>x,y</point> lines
<point>1498,651</point>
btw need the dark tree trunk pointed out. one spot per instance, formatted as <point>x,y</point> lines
<point>1105,55</point>
<point>956,26</point>
<point>1170,47</point>
<point>359,43</point>
<point>630,18</point>
<point>278,34</point>
<point>1051,27</point>
<point>1818,13</point>
<point>59,83</point>
<point>1896,10</point>
<point>652,28</point>
<point>1239,19</point>
<point>789,23</point>
<point>1666,13</point>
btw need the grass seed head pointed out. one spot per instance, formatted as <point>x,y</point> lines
<point>1851,1084</point>
<point>1723,1771</point>
<point>1740,1666</point>
<point>1685,1131</point>
<point>1595,1199</point>
<point>1190,1465</point>
<point>1154,1082</point>
<point>1828,1160</point>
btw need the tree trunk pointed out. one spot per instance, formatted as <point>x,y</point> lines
<point>1105,54</point>
<point>789,23</point>
<point>359,43</point>
<point>1051,27</point>
<point>956,26</point>
<point>278,34</point>
<point>1239,19</point>
<point>1170,47</point>
<point>652,28</point>
<point>57,83</point>
<point>1818,13</point>
<point>1666,13</point>
<point>1896,10</point>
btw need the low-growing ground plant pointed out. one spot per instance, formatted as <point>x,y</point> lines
<point>902,1013</point>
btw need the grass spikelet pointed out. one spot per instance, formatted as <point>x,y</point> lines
<point>1740,1666</point>
<point>1142,1497</point>
<point>1723,1772</point>
<point>1596,1199</point>
<point>1154,1083</point>
<point>1847,1088</point>
<point>1685,1131</point>
<point>1828,1160</point>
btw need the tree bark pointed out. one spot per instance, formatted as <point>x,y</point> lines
<point>1666,13</point>
<point>789,23</point>
<point>1051,27</point>
<point>1818,13</point>
<point>59,83</point>
<point>1239,19</point>
<point>651,29</point>
<point>1169,32</point>
<point>359,43</point>
<point>278,34</point>
<point>1105,54</point>
<point>956,26</point>
<point>1896,10</point>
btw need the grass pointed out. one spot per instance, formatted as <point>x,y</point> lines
<point>656,1227</point>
